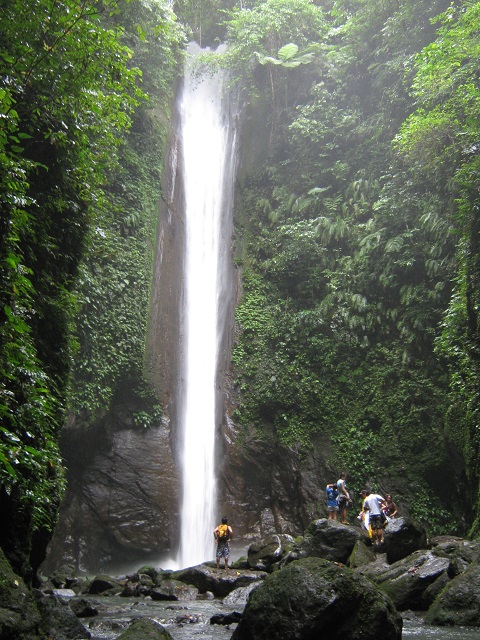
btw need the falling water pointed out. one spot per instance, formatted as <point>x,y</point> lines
<point>206,142</point>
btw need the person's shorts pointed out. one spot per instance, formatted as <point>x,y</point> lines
<point>376,523</point>
<point>342,502</point>
<point>333,507</point>
<point>223,550</point>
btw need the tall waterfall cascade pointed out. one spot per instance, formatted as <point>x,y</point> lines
<point>206,166</point>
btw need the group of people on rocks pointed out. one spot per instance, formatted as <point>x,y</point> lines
<point>375,513</point>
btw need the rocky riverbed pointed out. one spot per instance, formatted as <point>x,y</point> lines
<point>321,583</point>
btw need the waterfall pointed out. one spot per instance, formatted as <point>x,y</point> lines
<point>207,141</point>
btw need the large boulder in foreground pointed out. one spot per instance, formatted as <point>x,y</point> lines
<point>459,602</point>
<point>402,537</point>
<point>315,598</point>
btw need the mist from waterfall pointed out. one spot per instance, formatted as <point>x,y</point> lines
<point>206,166</point>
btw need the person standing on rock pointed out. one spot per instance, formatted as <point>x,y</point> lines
<point>389,508</point>
<point>343,497</point>
<point>223,533</point>
<point>364,516</point>
<point>332,504</point>
<point>373,504</point>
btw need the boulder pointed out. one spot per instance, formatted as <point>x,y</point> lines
<point>326,539</point>
<point>402,537</point>
<point>19,616</point>
<point>226,618</point>
<point>59,621</point>
<point>262,555</point>
<point>240,596</point>
<point>459,602</point>
<point>105,585</point>
<point>84,608</point>
<point>315,598</point>
<point>174,590</point>
<point>461,553</point>
<point>406,581</point>
<point>145,629</point>
<point>361,555</point>
<point>219,581</point>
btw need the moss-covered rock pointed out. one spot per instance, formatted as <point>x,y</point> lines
<point>19,616</point>
<point>313,598</point>
<point>459,602</point>
<point>265,553</point>
<point>145,629</point>
<point>327,539</point>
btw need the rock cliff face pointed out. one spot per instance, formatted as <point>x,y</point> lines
<point>267,488</point>
<point>122,499</point>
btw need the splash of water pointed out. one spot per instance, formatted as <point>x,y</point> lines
<point>207,170</point>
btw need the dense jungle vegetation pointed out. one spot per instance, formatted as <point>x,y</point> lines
<point>357,233</point>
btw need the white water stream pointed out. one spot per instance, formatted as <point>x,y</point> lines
<point>207,168</point>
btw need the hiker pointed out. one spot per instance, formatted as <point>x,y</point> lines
<point>343,497</point>
<point>332,505</point>
<point>389,508</point>
<point>223,534</point>
<point>373,504</point>
<point>364,516</point>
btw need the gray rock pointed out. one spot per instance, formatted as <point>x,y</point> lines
<point>59,621</point>
<point>226,618</point>
<point>315,598</point>
<point>145,629</point>
<point>19,616</point>
<point>174,590</point>
<point>326,539</point>
<point>459,602</point>
<point>118,514</point>
<point>63,593</point>
<point>402,537</point>
<point>240,595</point>
<point>104,584</point>
<point>84,608</point>
<point>361,555</point>
<point>406,581</point>
<point>262,555</point>
<point>218,581</point>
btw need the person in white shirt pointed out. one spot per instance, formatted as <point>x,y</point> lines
<point>373,503</point>
<point>343,497</point>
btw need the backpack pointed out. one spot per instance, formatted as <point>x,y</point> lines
<point>223,533</point>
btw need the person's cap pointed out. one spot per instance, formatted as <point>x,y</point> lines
<point>363,491</point>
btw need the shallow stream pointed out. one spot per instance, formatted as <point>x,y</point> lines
<point>190,620</point>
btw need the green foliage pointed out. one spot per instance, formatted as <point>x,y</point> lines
<point>115,275</point>
<point>427,510</point>
<point>348,256</point>
<point>440,139</point>
<point>69,92</point>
